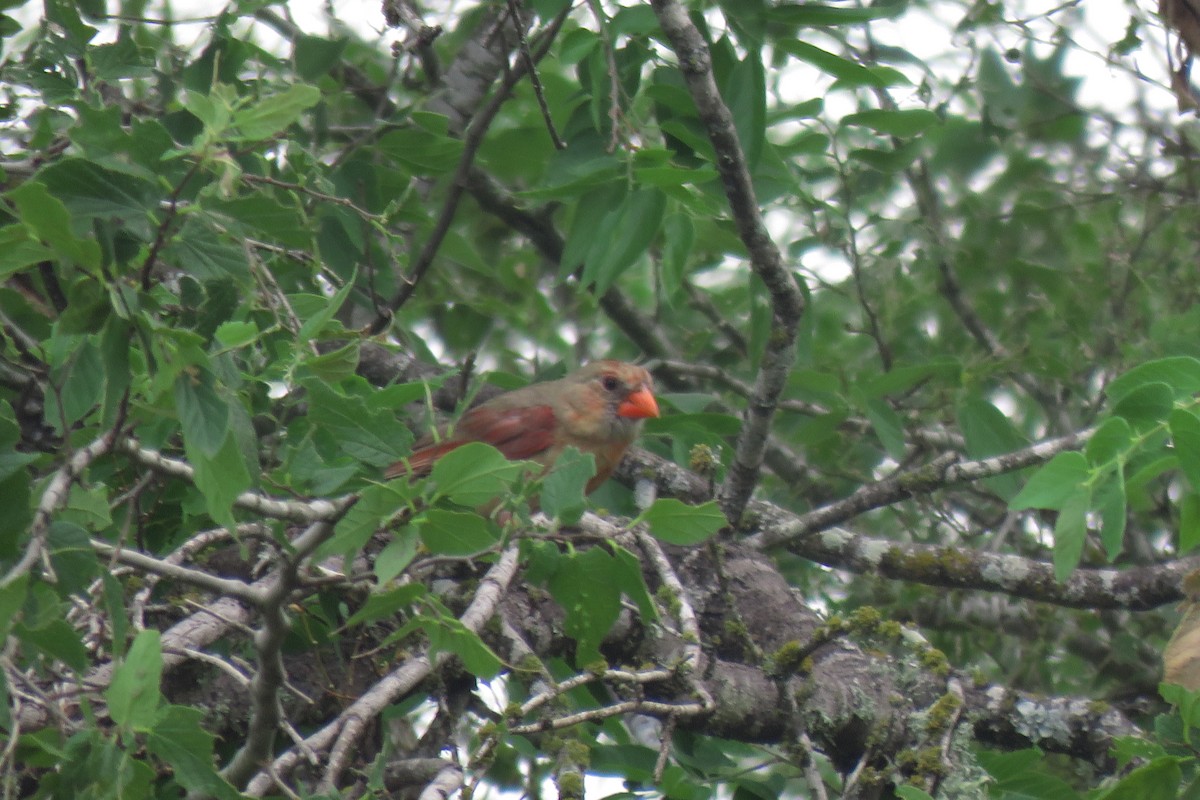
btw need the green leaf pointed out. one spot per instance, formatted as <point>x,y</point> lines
<point>1158,780</point>
<point>88,307</point>
<point>376,438</point>
<point>562,494</point>
<point>401,394</point>
<point>474,474</point>
<point>56,639</point>
<point>179,740</point>
<point>220,477</point>
<point>812,15</point>
<point>628,574</point>
<point>206,255</point>
<point>231,335</point>
<point>385,605</point>
<point>133,695</point>
<point>1054,483</point>
<point>375,504</point>
<point>1070,532</point>
<point>50,222</point>
<point>115,344</point>
<point>1111,505</point>
<point>675,522</point>
<point>988,432</point>
<point>91,191</point>
<point>422,152</point>
<point>679,234</point>
<point>254,216</point>
<point>1110,441</point>
<point>397,555</point>
<point>66,14</point>
<point>585,586</point>
<point>1185,436</point>
<point>336,365</point>
<point>315,324</point>
<point>89,507</point>
<point>1189,523</point>
<point>272,114</point>
<point>1180,373</point>
<point>12,597</point>
<point>746,91</point>
<point>453,636</point>
<point>593,223</point>
<point>203,414</point>
<point>849,73</point>
<point>888,160</point>
<point>902,378</point>
<point>636,224</point>
<point>906,792</point>
<point>887,424</point>
<point>456,533</point>
<point>633,21</point>
<point>1145,406</point>
<point>985,428</point>
<point>19,250</point>
<point>15,512</point>
<point>316,55</point>
<point>81,384</point>
<point>114,604</point>
<point>12,462</point>
<point>902,123</point>
<point>1021,776</point>
<point>72,556</point>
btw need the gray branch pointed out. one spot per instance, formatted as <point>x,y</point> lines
<point>787,301</point>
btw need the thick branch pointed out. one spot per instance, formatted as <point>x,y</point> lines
<point>1134,588</point>
<point>1137,588</point>
<point>265,714</point>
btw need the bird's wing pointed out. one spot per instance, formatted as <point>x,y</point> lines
<point>517,433</point>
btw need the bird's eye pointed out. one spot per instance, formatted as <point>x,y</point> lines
<point>610,383</point>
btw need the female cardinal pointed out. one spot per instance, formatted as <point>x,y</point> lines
<point>597,409</point>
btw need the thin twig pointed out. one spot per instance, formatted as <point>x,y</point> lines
<point>292,510</point>
<point>458,183</point>
<point>614,75</point>
<point>514,13</point>
<point>54,497</point>
<point>946,470</point>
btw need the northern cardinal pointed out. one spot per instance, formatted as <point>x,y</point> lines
<point>597,409</point>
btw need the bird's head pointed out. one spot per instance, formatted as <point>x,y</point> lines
<point>609,400</point>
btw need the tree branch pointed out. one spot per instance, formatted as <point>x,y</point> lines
<point>54,497</point>
<point>787,301</point>
<point>341,734</point>
<point>458,183</point>
<point>944,471</point>
<point>291,510</point>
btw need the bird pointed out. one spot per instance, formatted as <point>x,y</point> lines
<point>597,409</point>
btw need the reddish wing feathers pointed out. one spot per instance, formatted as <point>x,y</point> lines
<point>421,461</point>
<point>518,433</point>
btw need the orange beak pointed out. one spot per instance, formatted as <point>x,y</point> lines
<point>639,405</point>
